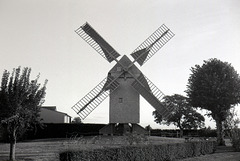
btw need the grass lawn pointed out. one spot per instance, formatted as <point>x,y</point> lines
<point>228,156</point>
<point>48,149</point>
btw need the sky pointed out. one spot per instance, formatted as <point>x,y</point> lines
<point>40,34</point>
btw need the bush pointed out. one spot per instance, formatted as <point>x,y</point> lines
<point>235,138</point>
<point>3,134</point>
<point>134,138</point>
<point>142,152</point>
<point>205,132</point>
<point>61,130</point>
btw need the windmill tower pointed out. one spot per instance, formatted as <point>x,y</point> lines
<point>124,83</point>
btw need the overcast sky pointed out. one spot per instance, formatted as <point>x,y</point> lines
<point>40,34</point>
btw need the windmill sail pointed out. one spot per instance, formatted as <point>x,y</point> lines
<point>97,42</point>
<point>127,70</point>
<point>152,44</point>
<point>142,53</point>
<point>96,96</point>
<point>153,95</point>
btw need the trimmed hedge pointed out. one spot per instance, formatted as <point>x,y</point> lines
<point>62,130</point>
<point>142,152</point>
<point>176,133</point>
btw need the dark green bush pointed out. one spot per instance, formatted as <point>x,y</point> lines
<point>235,139</point>
<point>3,135</point>
<point>142,152</point>
<point>61,130</point>
<point>175,133</point>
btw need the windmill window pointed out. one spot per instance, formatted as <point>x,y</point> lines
<point>120,100</point>
<point>119,69</point>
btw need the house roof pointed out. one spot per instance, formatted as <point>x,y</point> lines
<point>53,108</point>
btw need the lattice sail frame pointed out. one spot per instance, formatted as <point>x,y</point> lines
<point>87,33</point>
<point>154,96</point>
<point>95,97</point>
<point>152,44</point>
<point>160,96</point>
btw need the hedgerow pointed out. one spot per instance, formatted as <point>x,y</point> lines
<point>142,152</point>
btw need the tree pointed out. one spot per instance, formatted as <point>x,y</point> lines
<point>20,101</point>
<point>76,120</point>
<point>214,86</point>
<point>232,125</point>
<point>183,115</point>
<point>232,121</point>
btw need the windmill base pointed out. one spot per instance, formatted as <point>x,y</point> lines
<point>122,128</point>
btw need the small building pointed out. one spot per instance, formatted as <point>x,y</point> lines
<point>49,114</point>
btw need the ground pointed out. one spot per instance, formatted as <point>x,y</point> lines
<point>228,156</point>
<point>48,149</point>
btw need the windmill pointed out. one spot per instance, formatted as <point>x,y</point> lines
<point>124,83</point>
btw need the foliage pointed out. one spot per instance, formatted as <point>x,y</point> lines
<point>76,120</point>
<point>62,130</point>
<point>134,138</point>
<point>183,115</point>
<point>207,132</point>
<point>20,101</point>
<point>148,128</point>
<point>235,139</point>
<point>231,123</point>
<point>214,86</point>
<point>202,133</point>
<point>142,152</point>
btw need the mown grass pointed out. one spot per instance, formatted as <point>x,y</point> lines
<point>229,156</point>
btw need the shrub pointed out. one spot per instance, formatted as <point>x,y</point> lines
<point>3,134</point>
<point>134,138</point>
<point>62,130</point>
<point>235,139</point>
<point>142,152</point>
<point>205,132</point>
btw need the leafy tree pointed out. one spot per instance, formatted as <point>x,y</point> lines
<point>76,120</point>
<point>20,101</point>
<point>148,128</point>
<point>214,86</point>
<point>232,121</point>
<point>183,115</point>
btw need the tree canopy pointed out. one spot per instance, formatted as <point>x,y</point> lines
<point>20,101</point>
<point>183,115</point>
<point>214,86</point>
<point>76,120</point>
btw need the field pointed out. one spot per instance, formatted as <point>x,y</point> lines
<point>48,150</point>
